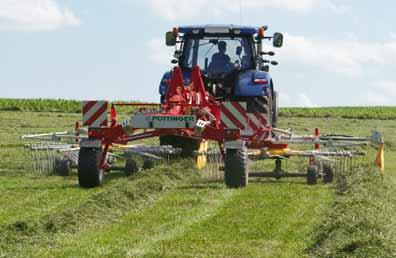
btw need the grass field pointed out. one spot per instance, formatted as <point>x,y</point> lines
<point>170,211</point>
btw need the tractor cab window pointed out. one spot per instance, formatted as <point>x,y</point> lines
<point>218,56</point>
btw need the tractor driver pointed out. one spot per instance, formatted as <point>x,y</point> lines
<point>221,62</point>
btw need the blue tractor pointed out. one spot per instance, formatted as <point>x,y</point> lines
<point>233,65</point>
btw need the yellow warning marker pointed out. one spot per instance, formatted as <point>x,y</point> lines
<point>380,158</point>
<point>278,152</point>
<point>201,160</point>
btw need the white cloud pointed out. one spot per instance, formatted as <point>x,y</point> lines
<point>158,52</point>
<point>348,56</point>
<point>35,15</point>
<point>175,10</point>
<point>338,8</point>
<point>382,93</point>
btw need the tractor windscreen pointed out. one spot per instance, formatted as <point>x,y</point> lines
<point>218,56</point>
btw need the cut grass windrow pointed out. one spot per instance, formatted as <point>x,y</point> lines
<point>21,238</point>
<point>362,222</point>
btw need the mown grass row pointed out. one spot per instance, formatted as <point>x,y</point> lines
<point>21,238</point>
<point>74,106</point>
<point>362,222</point>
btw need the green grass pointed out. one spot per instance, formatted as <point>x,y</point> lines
<point>170,212</point>
<point>362,222</point>
<point>49,105</point>
<point>74,106</point>
<point>342,112</point>
<point>41,105</point>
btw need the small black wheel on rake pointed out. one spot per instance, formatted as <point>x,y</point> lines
<point>312,175</point>
<point>63,167</point>
<point>89,172</point>
<point>328,174</point>
<point>148,164</point>
<point>131,167</point>
<point>236,172</point>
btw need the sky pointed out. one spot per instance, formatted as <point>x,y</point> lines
<point>335,53</point>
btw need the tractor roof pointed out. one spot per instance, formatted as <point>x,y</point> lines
<point>218,29</point>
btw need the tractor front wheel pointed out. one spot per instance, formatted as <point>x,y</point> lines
<point>236,172</point>
<point>89,172</point>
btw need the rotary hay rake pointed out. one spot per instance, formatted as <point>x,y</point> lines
<point>94,149</point>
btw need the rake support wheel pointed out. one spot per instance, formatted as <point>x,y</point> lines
<point>63,167</point>
<point>236,168</point>
<point>131,167</point>
<point>148,164</point>
<point>312,175</point>
<point>89,173</point>
<point>328,174</point>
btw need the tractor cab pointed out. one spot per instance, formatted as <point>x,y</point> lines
<point>230,58</point>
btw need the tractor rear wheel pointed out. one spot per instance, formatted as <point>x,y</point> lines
<point>236,172</point>
<point>312,175</point>
<point>89,172</point>
<point>328,174</point>
<point>187,145</point>
<point>275,109</point>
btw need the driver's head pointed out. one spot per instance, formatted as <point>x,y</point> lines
<point>222,46</point>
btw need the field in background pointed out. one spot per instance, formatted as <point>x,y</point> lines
<point>74,106</point>
<point>170,212</point>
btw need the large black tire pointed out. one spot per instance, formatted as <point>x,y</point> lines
<point>63,167</point>
<point>312,175</point>
<point>236,172</point>
<point>89,173</point>
<point>328,174</point>
<point>131,167</point>
<point>275,108</point>
<point>187,145</point>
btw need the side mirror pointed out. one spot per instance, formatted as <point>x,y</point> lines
<point>170,39</point>
<point>277,40</point>
<point>239,51</point>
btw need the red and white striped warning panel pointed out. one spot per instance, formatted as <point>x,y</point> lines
<point>234,115</point>
<point>95,113</point>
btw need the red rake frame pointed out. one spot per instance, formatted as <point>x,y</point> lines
<point>190,100</point>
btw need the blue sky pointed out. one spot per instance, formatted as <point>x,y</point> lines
<point>335,53</point>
